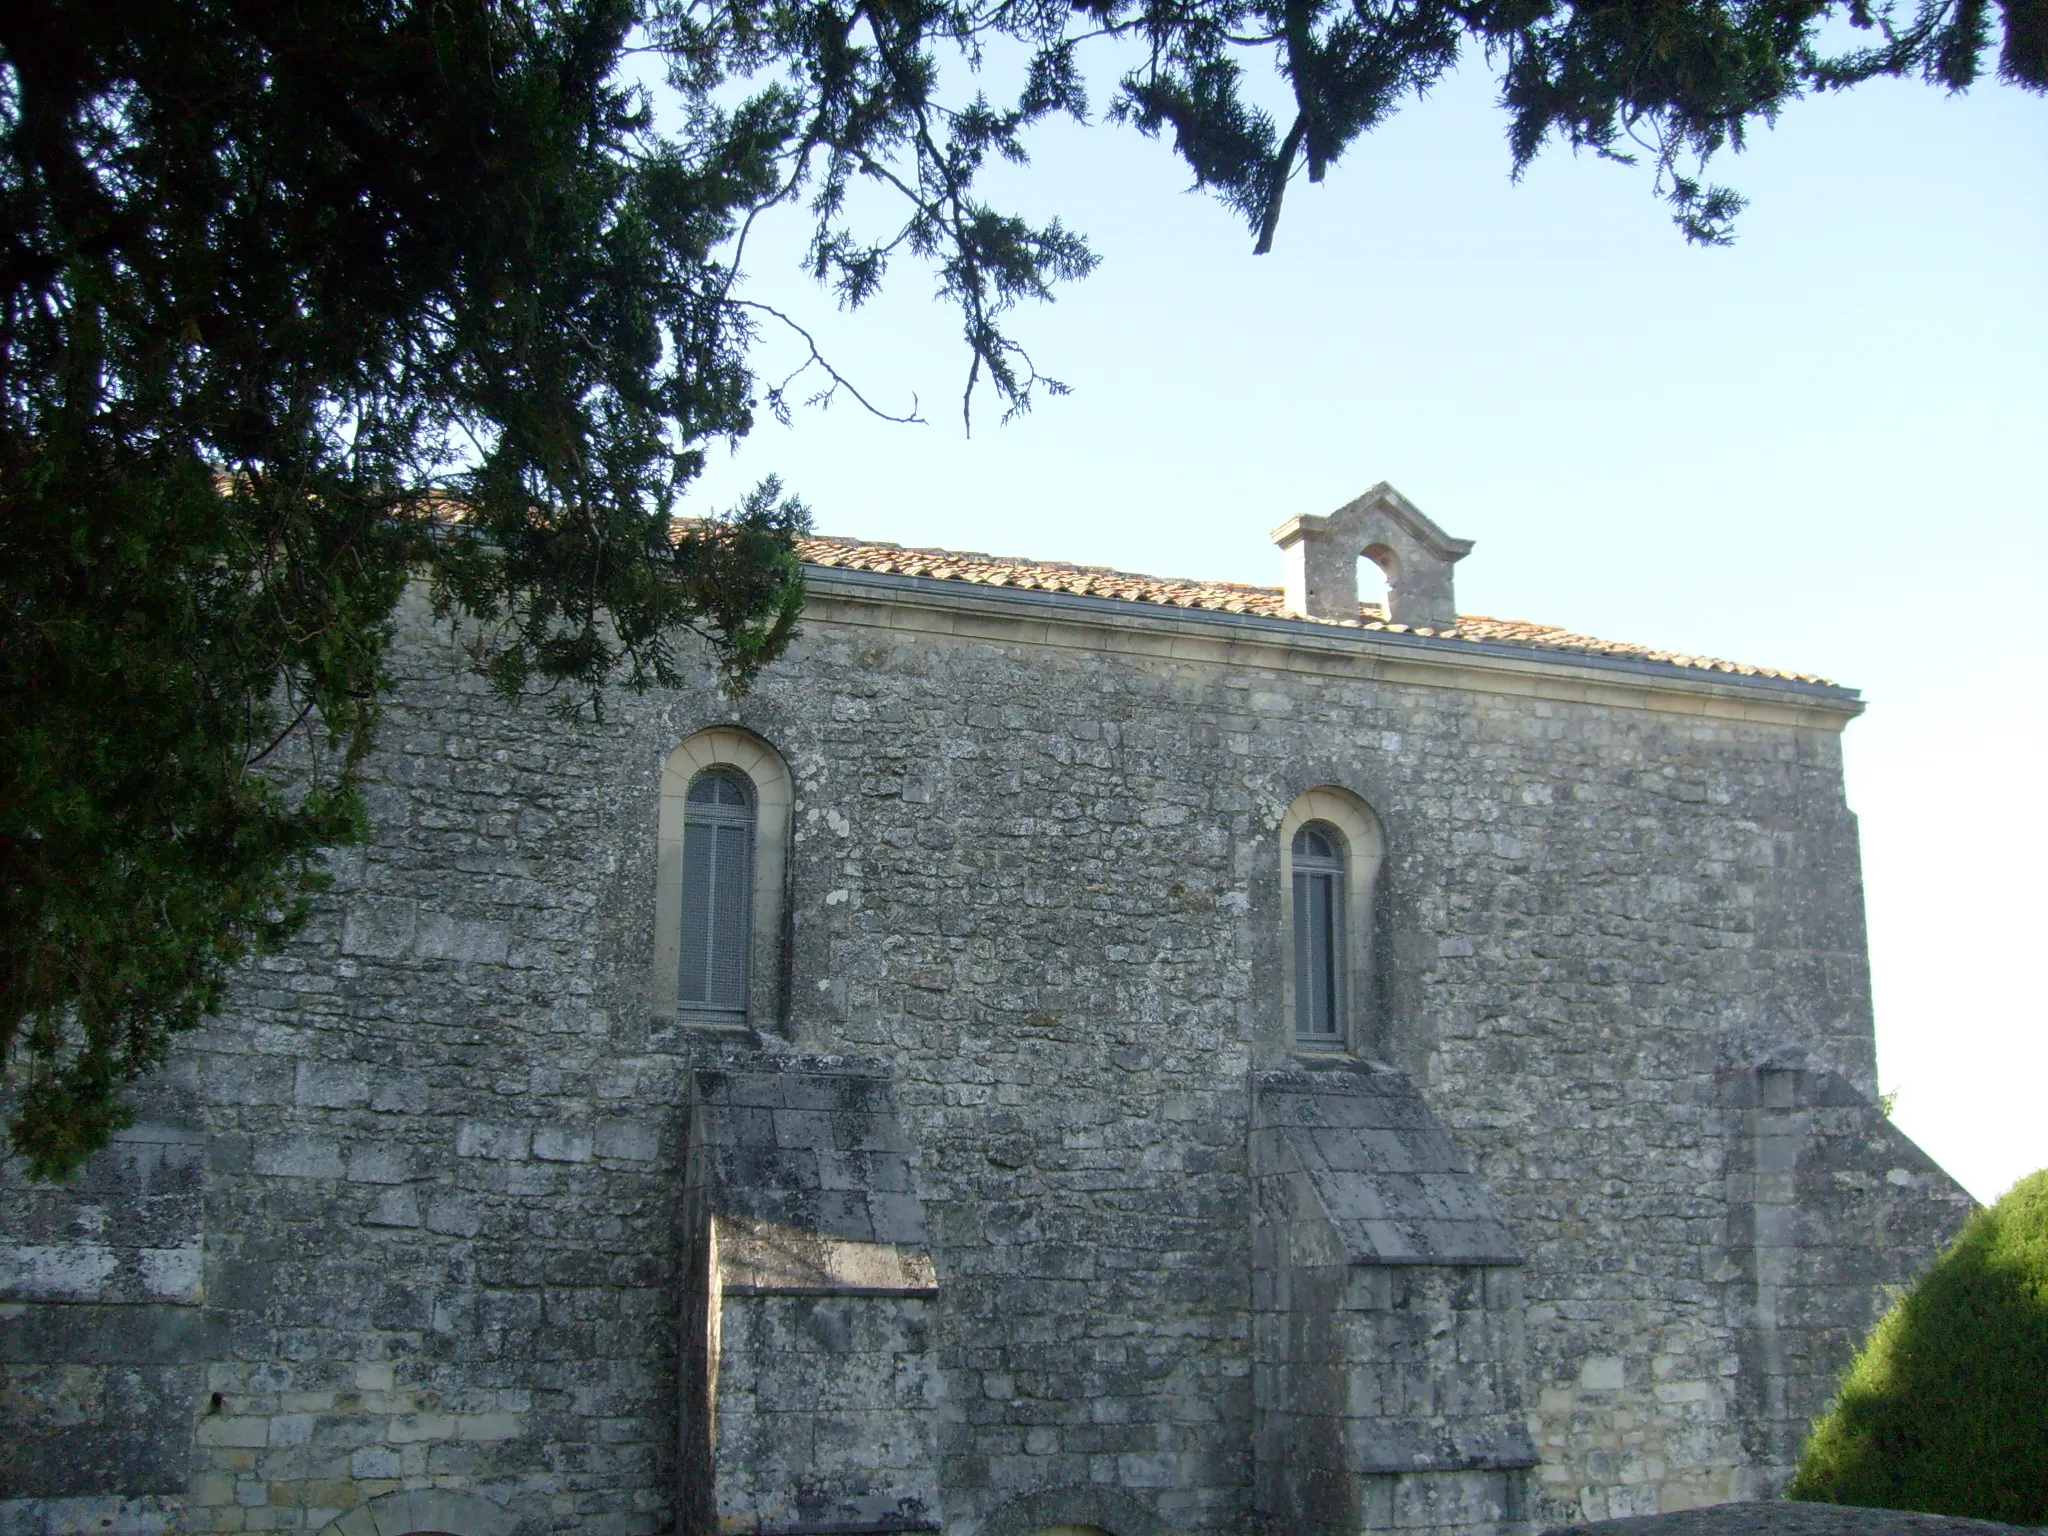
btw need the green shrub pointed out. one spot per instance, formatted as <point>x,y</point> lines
<point>1946,1409</point>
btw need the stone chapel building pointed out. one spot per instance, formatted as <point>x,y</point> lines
<point>1068,1050</point>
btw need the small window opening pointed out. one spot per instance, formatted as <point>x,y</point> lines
<point>1378,569</point>
<point>718,895</point>
<point>1372,586</point>
<point>1318,934</point>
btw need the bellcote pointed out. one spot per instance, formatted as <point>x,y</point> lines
<point>1384,527</point>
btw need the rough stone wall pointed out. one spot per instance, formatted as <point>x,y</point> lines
<point>439,1217</point>
<point>103,1343</point>
<point>815,1387</point>
<point>1039,882</point>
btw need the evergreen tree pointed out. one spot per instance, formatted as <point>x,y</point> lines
<point>1946,1409</point>
<point>301,301</point>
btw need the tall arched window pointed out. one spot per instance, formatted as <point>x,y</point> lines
<point>718,895</point>
<point>1331,849</point>
<point>723,853</point>
<point>1319,934</point>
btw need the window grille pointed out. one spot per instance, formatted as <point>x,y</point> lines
<point>1318,861</point>
<point>718,896</point>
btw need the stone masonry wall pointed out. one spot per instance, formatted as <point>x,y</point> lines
<point>1039,881</point>
<point>103,1341</point>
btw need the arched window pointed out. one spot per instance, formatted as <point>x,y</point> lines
<point>1319,934</point>
<point>718,895</point>
<point>1330,854</point>
<point>722,857</point>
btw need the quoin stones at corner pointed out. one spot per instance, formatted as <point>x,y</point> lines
<point>1070,1049</point>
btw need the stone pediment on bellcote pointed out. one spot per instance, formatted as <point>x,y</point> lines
<point>1416,557</point>
<point>1382,501</point>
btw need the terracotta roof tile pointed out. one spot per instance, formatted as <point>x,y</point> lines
<point>1224,597</point>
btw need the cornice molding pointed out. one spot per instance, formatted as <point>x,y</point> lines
<point>919,604</point>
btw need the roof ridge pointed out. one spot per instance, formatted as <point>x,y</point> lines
<point>1026,562</point>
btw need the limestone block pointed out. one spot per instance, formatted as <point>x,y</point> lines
<point>301,1157</point>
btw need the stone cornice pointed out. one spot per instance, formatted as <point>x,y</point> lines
<point>918,604</point>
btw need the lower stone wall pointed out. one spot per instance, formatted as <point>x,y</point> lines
<point>1631,1435</point>
<point>825,1414</point>
<point>104,1338</point>
<point>1446,1503</point>
<point>155,1514</point>
<point>98,1400</point>
<point>146,1414</point>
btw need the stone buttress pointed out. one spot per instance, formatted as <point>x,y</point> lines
<point>806,1371</point>
<point>1829,1204</point>
<point>1387,1315</point>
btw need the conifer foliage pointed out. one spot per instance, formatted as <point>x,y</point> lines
<point>1946,1409</point>
<point>300,301</point>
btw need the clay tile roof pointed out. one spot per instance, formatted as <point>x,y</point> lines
<point>1225,597</point>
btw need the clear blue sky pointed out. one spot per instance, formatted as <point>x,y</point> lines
<point>1823,448</point>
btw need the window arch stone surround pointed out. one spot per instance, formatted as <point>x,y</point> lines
<point>1364,852</point>
<point>742,752</point>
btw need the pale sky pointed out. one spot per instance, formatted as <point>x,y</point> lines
<point>1821,449</point>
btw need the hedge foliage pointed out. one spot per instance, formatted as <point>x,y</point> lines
<point>1946,1409</point>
